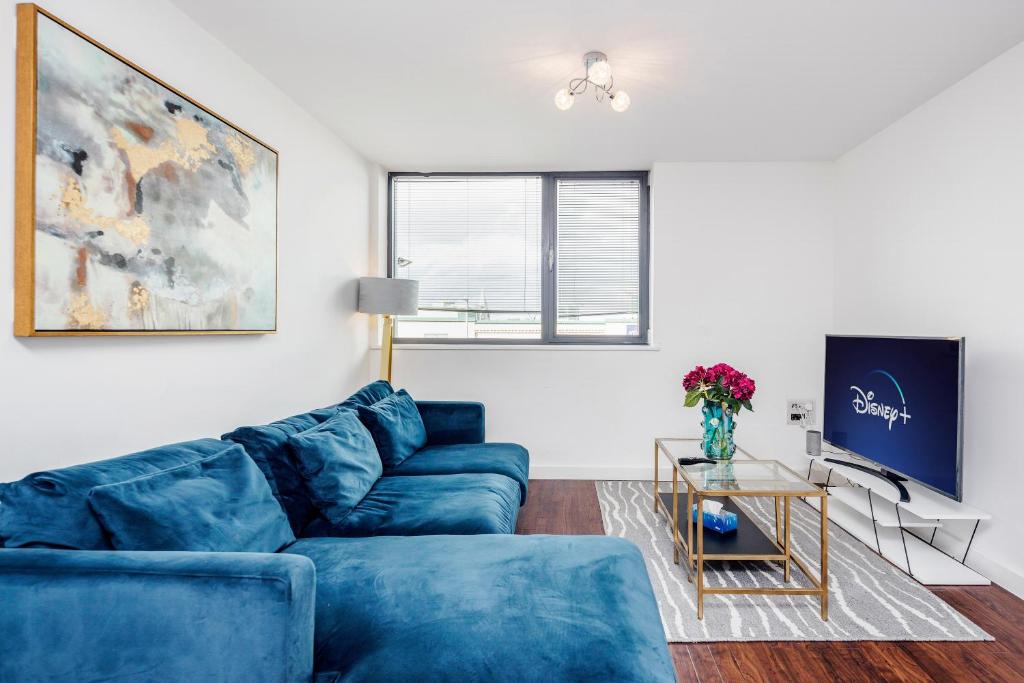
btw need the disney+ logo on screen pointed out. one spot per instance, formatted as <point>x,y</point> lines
<point>864,402</point>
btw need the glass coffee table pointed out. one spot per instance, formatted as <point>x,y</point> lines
<point>744,475</point>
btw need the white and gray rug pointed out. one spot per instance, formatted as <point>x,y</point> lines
<point>869,599</point>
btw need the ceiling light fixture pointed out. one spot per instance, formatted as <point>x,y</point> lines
<point>599,75</point>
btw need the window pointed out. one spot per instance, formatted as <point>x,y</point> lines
<point>474,244</point>
<point>597,242</point>
<point>522,258</point>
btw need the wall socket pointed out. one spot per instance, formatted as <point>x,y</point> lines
<point>800,411</point>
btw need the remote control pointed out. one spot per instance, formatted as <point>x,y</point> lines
<point>695,461</point>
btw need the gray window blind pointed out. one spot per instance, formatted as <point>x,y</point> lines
<point>598,236</point>
<point>473,242</point>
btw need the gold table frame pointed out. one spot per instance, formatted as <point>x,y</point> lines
<point>696,556</point>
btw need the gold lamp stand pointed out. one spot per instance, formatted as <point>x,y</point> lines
<point>387,347</point>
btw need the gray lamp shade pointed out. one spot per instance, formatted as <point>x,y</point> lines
<point>388,296</point>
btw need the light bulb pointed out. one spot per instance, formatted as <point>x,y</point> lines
<point>564,99</point>
<point>620,101</point>
<point>600,73</point>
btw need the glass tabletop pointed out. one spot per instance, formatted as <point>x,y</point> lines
<point>742,474</point>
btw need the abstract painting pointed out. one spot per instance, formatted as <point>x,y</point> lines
<point>143,212</point>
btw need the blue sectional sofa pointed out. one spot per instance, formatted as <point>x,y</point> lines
<point>117,569</point>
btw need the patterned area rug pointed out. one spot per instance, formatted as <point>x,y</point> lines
<point>869,599</point>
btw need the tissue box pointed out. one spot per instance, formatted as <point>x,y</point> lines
<point>722,522</point>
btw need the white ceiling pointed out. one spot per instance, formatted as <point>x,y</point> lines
<point>468,84</point>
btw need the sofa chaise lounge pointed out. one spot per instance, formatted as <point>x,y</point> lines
<point>428,584</point>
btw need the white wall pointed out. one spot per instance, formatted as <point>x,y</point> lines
<point>931,244</point>
<point>917,231</point>
<point>741,263</point>
<point>67,400</point>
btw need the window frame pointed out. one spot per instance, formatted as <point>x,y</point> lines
<point>549,244</point>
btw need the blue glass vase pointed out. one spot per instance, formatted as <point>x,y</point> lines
<point>719,423</point>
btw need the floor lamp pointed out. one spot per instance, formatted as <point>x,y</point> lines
<point>388,297</point>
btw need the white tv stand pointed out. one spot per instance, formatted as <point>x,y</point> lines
<point>903,533</point>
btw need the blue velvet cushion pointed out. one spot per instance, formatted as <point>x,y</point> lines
<point>485,608</point>
<point>339,462</point>
<point>396,427</point>
<point>51,509</point>
<point>425,505</point>
<point>219,504</point>
<point>368,395</point>
<point>509,459</point>
<point>265,444</point>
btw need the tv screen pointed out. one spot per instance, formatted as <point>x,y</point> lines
<point>898,402</point>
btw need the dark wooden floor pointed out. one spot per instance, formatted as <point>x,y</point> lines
<point>571,507</point>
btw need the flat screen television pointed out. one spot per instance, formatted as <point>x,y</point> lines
<point>898,401</point>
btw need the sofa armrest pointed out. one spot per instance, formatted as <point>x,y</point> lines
<point>449,422</point>
<point>170,616</point>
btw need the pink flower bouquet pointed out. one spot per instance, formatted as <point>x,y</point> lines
<point>721,383</point>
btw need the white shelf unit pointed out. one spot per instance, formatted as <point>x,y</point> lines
<point>906,534</point>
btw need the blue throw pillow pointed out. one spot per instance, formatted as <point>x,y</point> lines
<point>51,509</point>
<point>219,504</point>
<point>368,395</point>
<point>396,426</point>
<point>265,444</point>
<point>339,462</point>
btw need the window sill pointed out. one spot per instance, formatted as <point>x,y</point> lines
<point>522,347</point>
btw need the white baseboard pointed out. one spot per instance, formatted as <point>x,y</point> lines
<point>595,473</point>
<point>997,572</point>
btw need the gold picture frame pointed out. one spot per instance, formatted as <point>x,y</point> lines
<point>26,320</point>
